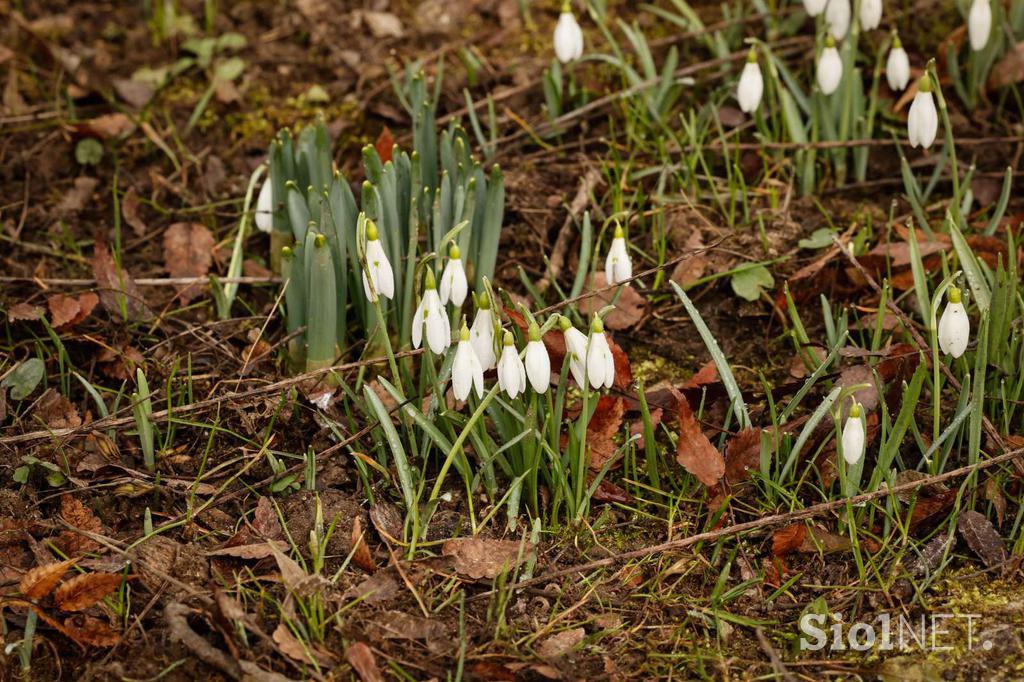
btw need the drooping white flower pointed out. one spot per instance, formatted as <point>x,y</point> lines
<point>600,361</point>
<point>751,85</point>
<point>378,268</point>
<point>576,348</point>
<point>837,16</point>
<point>482,333</point>
<point>538,362</point>
<point>830,67</point>
<point>511,371</point>
<point>617,266</point>
<point>870,14</point>
<point>897,67</point>
<point>454,286</point>
<point>954,325</point>
<point>923,119</point>
<point>853,436</point>
<point>466,370</point>
<point>568,36</point>
<point>430,315</point>
<point>979,24</point>
<point>814,7</point>
<point>265,207</point>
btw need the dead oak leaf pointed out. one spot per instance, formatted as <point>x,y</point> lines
<point>362,660</point>
<point>89,630</point>
<point>118,292</point>
<point>86,589</point>
<point>694,451</point>
<point>63,309</point>
<point>188,252</point>
<point>604,425</point>
<point>483,557</point>
<point>40,581</point>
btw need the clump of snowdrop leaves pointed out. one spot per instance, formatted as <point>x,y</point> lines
<point>482,333</point>
<point>853,436</point>
<point>954,325</point>
<point>576,348</point>
<point>538,362</point>
<point>979,24</point>
<point>511,371</point>
<point>814,7</point>
<point>600,361</point>
<point>617,266</point>
<point>923,119</point>
<point>751,85</point>
<point>897,67</point>
<point>870,14</point>
<point>830,67</point>
<point>568,36</point>
<point>378,278</point>
<point>454,286</point>
<point>466,370</point>
<point>431,318</point>
<point>837,16</point>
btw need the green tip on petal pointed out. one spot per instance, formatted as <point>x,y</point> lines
<point>954,295</point>
<point>464,332</point>
<point>320,241</point>
<point>752,55</point>
<point>485,301</point>
<point>563,323</point>
<point>371,231</point>
<point>534,332</point>
<point>287,252</point>
<point>830,41</point>
<point>896,42</point>
<point>367,184</point>
<point>429,282</point>
<point>855,411</point>
<point>566,7</point>
<point>925,84</point>
<point>509,340</point>
<point>619,234</point>
<point>453,252</point>
<point>597,326</point>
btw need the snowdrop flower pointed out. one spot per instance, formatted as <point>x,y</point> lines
<point>751,85</point>
<point>814,7</point>
<point>617,266</point>
<point>378,268</point>
<point>979,24</point>
<point>576,348</point>
<point>600,361</point>
<point>897,67</point>
<point>853,436</point>
<point>466,370</point>
<point>954,325</point>
<point>482,333</point>
<point>923,120</point>
<point>870,14</point>
<point>568,36</point>
<point>538,363</point>
<point>453,280</point>
<point>430,314</point>
<point>511,371</point>
<point>830,67</point>
<point>265,207</point>
<point>837,16</point>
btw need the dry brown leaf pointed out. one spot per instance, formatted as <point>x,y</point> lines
<point>290,646</point>
<point>483,557</point>
<point>56,411</point>
<point>78,196</point>
<point>694,451</point>
<point>24,312</point>
<point>629,308</point>
<point>788,538</point>
<point>689,270</point>
<point>604,425</point>
<point>260,550</point>
<point>118,291</point>
<point>994,494</point>
<point>562,643</point>
<point>982,537</point>
<point>361,555</point>
<point>40,581</point>
<point>92,631</point>
<point>265,520</point>
<point>1009,69</point>
<point>130,211</point>
<point>385,145</point>
<point>82,591</point>
<point>109,126</point>
<point>361,658</point>
<point>63,309</point>
<point>188,252</point>
<point>743,454</point>
<point>76,514</point>
<point>294,576</point>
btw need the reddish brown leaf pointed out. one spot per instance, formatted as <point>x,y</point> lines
<point>623,371</point>
<point>788,538</point>
<point>927,508</point>
<point>629,308</point>
<point>116,287</point>
<point>482,557</point>
<point>40,581</point>
<point>743,455</point>
<point>188,252</point>
<point>260,550</point>
<point>607,491</point>
<point>604,425</point>
<point>92,631</point>
<point>982,537</point>
<point>130,211</point>
<point>385,144</point>
<point>694,451</point>
<point>290,646</point>
<point>361,658</point>
<point>24,312</point>
<point>361,555</point>
<point>56,411</point>
<point>78,515</point>
<point>82,591</point>
<point>63,309</point>
<point>1009,69</point>
<point>707,374</point>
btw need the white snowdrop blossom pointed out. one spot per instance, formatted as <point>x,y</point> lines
<point>466,370</point>
<point>923,119</point>
<point>870,14</point>
<point>751,85</point>
<point>617,266</point>
<point>954,325</point>
<point>979,24</point>
<point>814,7</point>
<point>430,316</point>
<point>378,268</point>
<point>600,361</point>
<point>482,333</point>
<point>576,348</point>
<point>265,207</point>
<point>837,16</point>
<point>853,436</point>
<point>897,67</point>
<point>454,286</point>
<point>830,67</point>
<point>568,36</point>
<point>538,362</point>
<point>511,371</point>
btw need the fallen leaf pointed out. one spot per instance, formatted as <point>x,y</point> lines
<point>188,252</point>
<point>707,374</point>
<point>387,520</point>
<point>560,644</point>
<point>383,24</point>
<point>361,658</point>
<point>63,309</point>
<point>130,211</point>
<point>265,520</point>
<point>134,92</point>
<point>604,425</point>
<point>361,555</point>
<point>994,494</point>
<point>24,312</point>
<point>86,589</point>
<point>380,587</point>
<point>56,411</point>
<point>856,375</point>
<point>385,145</point>
<point>483,557</point>
<point>401,625</point>
<point>92,631</point>
<point>108,126</point>
<point>118,292</point>
<point>629,308</point>
<point>40,581</point>
<point>788,538</point>
<point>78,196</point>
<point>76,514</point>
<point>927,508</point>
<point>743,455</point>
<point>982,537</point>
<point>689,270</point>
<point>1009,69</point>
<point>694,451</point>
<point>294,576</point>
<point>290,646</point>
<point>607,491</point>
<point>260,550</point>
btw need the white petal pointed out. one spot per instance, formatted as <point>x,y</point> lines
<point>436,321</point>
<point>979,24</point>
<point>597,362</point>
<point>510,372</point>
<point>568,38</point>
<point>366,288</point>
<point>481,335</point>
<point>837,15</point>
<point>853,440</point>
<point>265,207</point>
<point>417,323</point>
<point>830,70</point>
<point>460,287</point>
<point>462,371</point>
<point>445,287</point>
<point>750,88</point>
<point>538,366</point>
<point>478,372</point>
<point>954,330</point>
<point>897,69</point>
<point>870,14</point>
<point>576,347</point>
<point>814,7</point>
